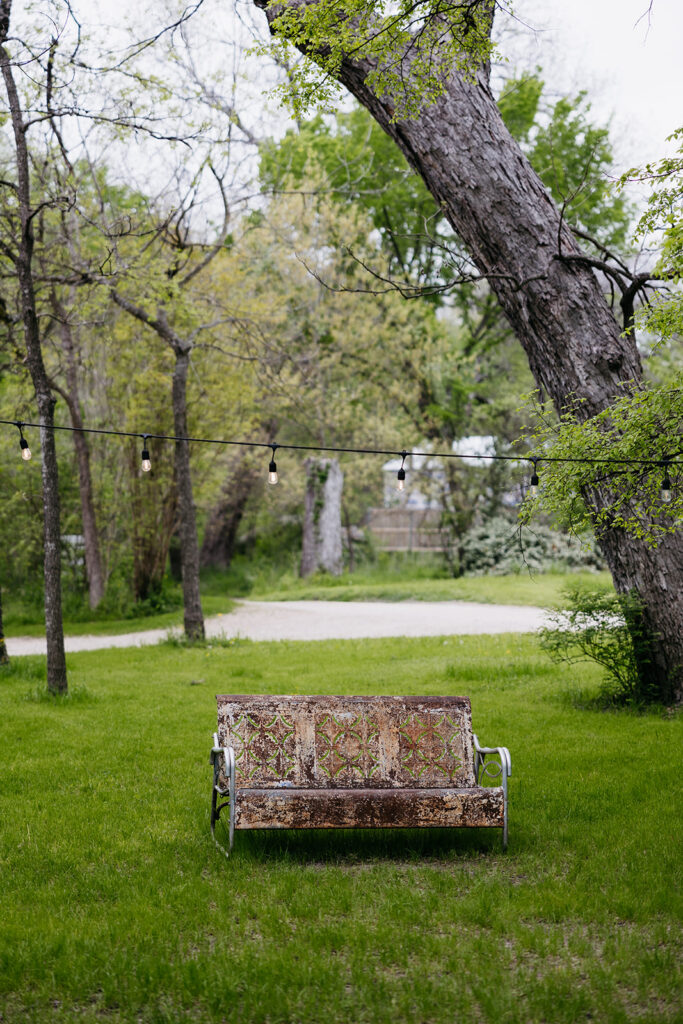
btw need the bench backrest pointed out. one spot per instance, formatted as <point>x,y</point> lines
<point>348,742</point>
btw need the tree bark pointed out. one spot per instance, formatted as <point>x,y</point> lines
<point>56,660</point>
<point>153,519</point>
<point>187,524</point>
<point>218,546</point>
<point>515,234</point>
<point>322,538</point>
<point>91,539</point>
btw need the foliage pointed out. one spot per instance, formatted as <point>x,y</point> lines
<point>572,156</point>
<point>352,160</point>
<point>434,35</point>
<point>664,217</point>
<point>643,427</point>
<point>644,423</point>
<point>608,629</point>
<point>116,906</point>
<point>473,384</point>
<point>518,103</point>
<point>499,546</point>
<point>95,227</point>
<point>664,206</point>
<point>337,364</point>
<point>287,353</point>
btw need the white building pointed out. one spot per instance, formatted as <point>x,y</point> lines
<point>426,467</point>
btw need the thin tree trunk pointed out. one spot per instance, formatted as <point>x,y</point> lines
<point>153,515</point>
<point>187,525</point>
<point>218,546</point>
<point>4,657</point>
<point>493,198</point>
<point>349,537</point>
<point>93,558</point>
<point>56,660</point>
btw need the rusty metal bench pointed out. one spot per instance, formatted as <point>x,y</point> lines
<point>354,762</point>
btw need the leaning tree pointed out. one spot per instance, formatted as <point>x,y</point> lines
<point>425,80</point>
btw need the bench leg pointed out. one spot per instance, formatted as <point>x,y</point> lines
<point>505,820</point>
<point>216,793</point>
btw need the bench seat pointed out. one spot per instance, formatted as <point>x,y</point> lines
<point>369,808</point>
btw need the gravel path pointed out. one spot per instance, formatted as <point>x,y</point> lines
<point>326,620</point>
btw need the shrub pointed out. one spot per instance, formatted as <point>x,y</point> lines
<point>499,546</point>
<point>610,630</point>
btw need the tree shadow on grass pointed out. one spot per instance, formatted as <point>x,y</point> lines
<point>366,847</point>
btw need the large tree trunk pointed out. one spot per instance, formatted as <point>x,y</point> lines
<point>187,525</point>
<point>56,660</point>
<point>218,546</point>
<point>91,539</point>
<point>495,201</point>
<point>322,539</point>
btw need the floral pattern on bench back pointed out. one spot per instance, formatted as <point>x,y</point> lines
<point>348,742</point>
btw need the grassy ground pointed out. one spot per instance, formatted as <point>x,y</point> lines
<point>116,907</point>
<point>29,622</point>
<point>546,589</point>
<point>394,579</point>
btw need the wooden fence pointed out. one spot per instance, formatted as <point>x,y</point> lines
<point>405,529</point>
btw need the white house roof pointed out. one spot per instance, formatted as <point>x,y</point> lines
<point>474,448</point>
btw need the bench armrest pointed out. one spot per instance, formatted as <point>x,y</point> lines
<point>222,756</point>
<point>494,769</point>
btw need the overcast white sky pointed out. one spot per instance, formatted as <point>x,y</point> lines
<point>633,69</point>
<point>627,57</point>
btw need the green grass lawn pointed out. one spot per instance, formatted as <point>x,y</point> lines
<point>542,589</point>
<point>116,906</point>
<point>24,624</point>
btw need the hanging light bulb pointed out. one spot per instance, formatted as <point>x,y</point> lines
<point>23,444</point>
<point>146,463</point>
<point>533,484</point>
<point>400,486</point>
<point>665,492</point>
<point>272,468</point>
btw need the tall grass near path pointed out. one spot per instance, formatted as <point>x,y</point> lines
<point>115,906</point>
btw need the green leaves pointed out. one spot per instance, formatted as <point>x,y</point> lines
<point>609,629</point>
<point>353,160</point>
<point>518,104</point>
<point>663,216</point>
<point>643,427</point>
<point>433,36</point>
<point>571,155</point>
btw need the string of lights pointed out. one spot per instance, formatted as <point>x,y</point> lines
<point>146,463</point>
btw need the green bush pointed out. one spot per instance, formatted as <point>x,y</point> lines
<point>610,630</point>
<point>499,547</point>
